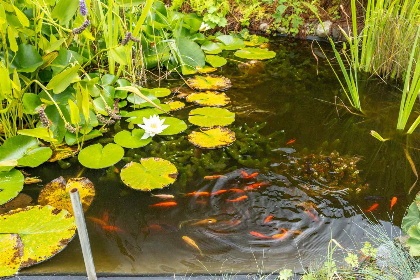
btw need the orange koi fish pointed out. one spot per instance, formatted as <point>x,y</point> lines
<point>152,227</point>
<point>253,175</point>
<point>97,221</point>
<point>219,192</point>
<point>164,204</point>
<point>198,194</point>
<point>291,141</point>
<point>373,207</point>
<point>105,216</point>
<point>213,177</point>
<point>244,174</point>
<point>311,215</point>
<point>204,222</point>
<point>259,235</point>
<point>280,236</point>
<point>164,196</point>
<point>393,201</point>
<point>236,190</point>
<point>268,219</point>
<point>112,228</point>
<point>256,186</point>
<point>192,243</point>
<point>116,170</point>
<point>238,199</point>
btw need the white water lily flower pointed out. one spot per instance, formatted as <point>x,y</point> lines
<point>204,27</point>
<point>152,126</point>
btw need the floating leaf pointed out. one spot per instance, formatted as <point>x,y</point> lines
<point>255,40</point>
<point>44,231</point>
<point>215,60</point>
<point>175,105</point>
<point>71,138</point>
<point>131,139</point>
<point>137,116</point>
<point>209,82</point>
<point>149,174</point>
<point>11,253</point>
<point>56,193</point>
<point>206,69</point>
<point>230,42</point>
<point>209,98</point>
<point>210,116</point>
<point>255,53</point>
<point>211,47</point>
<point>63,152</point>
<point>96,157</point>
<point>175,126</point>
<point>212,138</point>
<point>160,92</point>
<point>11,184</point>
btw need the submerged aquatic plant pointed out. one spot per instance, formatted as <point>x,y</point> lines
<point>152,126</point>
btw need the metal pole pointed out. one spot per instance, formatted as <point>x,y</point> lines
<point>83,234</point>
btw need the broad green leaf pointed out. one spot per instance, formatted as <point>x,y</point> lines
<point>413,215</point>
<point>175,126</point>
<point>40,132</point>
<point>131,139</point>
<point>212,138</point>
<point>137,92</point>
<point>72,140</point>
<point>190,53</point>
<point>97,157</point>
<point>150,173</point>
<point>255,53</point>
<point>74,112</point>
<point>413,242</point>
<point>230,42</point>
<point>27,59</point>
<point>64,59</point>
<point>215,60</point>
<point>11,35</point>
<point>209,82</point>
<point>211,116</point>
<point>160,92</point>
<point>11,184</point>
<point>44,231</point>
<point>121,54</point>
<point>211,47</point>
<point>65,10</point>
<point>61,81</point>
<point>21,16</point>
<point>11,253</point>
<point>31,103</point>
<point>209,98</point>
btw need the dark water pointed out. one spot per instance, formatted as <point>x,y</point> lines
<point>307,193</point>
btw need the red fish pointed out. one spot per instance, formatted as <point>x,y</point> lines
<point>152,227</point>
<point>253,175</point>
<point>291,141</point>
<point>238,199</point>
<point>97,221</point>
<point>219,192</point>
<point>259,235</point>
<point>116,170</point>
<point>112,228</point>
<point>311,215</point>
<point>213,177</point>
<point>105,216</point>
<point>237,190</point>
<point>164,204</point>
<point>244,174</point>
<point>198,194</point>
<point>393,201</point>
<point>256,186</point>
<point>280,236</point>
<point>373,207</point>
<point>268,219</point>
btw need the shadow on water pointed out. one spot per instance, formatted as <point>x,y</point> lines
<point>310,190</point>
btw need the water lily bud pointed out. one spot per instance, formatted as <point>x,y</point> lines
<point>82,8</point>
<point>70,128</point>
<point>82,28</point>
<point>43,117</point>
<point>126,39</point>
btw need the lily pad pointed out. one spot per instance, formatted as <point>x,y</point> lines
<point>131,139</point>
<point>209,82</point>
<point>176,105</point>
<point>209,98</point>
<point>255,40</point>
<point>150,173</point>
<point>210,116</point>
<point>97,157</point>
<point>176,126</point>
<point>160,92</point>
<point>63,152</point>
<point>212,138</point>
<point>230,42</point>
<point>11,184</point>
<point>215,60</point>
<point>206,69</point>
<point>23,151</point>
<point>255,53</point>
<point>44,231</point>
<point>11,253</point>
<point>137,116</point>
<point>56,193</point>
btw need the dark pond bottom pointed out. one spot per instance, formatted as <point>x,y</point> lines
<point>315,186</point>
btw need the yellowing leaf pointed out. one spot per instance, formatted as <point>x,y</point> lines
<point>212,138</point>
<point>209,82</point>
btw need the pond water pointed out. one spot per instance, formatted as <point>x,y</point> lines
<point>315,187</point>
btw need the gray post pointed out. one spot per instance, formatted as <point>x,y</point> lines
<point>83,234</point>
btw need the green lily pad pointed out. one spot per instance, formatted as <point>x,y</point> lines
<point>160,92</point>
<point>209,98</point>
<point>150,173</point>
<point>255,40</point>
<point>11,253</point>
<point>211,47</point>
<point>135,99</point>
<point>212,138</point>
<point>210,116</point>
<point>137,116</point>
<point>44,231</point>
<point>206,69</point>
<point>22,150</point>
<point>71,138</point>
<point>56,193</point>
<point>230,42</point>
<point>175,105</point>
<point>131,139</point>
<point>176,126</point>
<point>97,157</point>
<point>255,53</point>
<point>11,184</point>
<point>215,60</point>
<point>209,82</point>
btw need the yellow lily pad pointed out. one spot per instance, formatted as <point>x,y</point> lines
<point>211,116</point>
<point>56,193</point>
<point>206,69</point>
<point>11,253</point>
<point>209,98</point>
<point>209,82</point>
<point>212,138</point>
<point>175,105</point>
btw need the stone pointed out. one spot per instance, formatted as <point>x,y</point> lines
<point>264,27</point>
<point>323,31</point>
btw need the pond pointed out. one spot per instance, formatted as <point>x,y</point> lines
<point>319,173</point>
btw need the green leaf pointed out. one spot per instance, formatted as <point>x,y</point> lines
<point>211,47</point>
<point>131,139</point>
<point>31,103</point>
<point>121,54</point>
<point>413,215</point>
<point>210,117</point>
<point>212,138</point>
<point>413,242</point>
<point>44,231</point>
<point>215,60</point>
<point>61,81</point>
<point>72,140</point>
<point>230,42</point>
<point>378,136</point>
<point>11,253</point>
<point>65,10</point>
<point>74,112</point>
<point>11,184</point>
<point>160,92</point>
<point>255,53</point>
<point>21,16</point>
<point>97,157</point>
<point>64,59</point>
<point>176,126</point>
<point>27,59</point>
<point>136,117</point>
<point>40,132</point>
<point>149,174</point>
<point>190,53</point>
